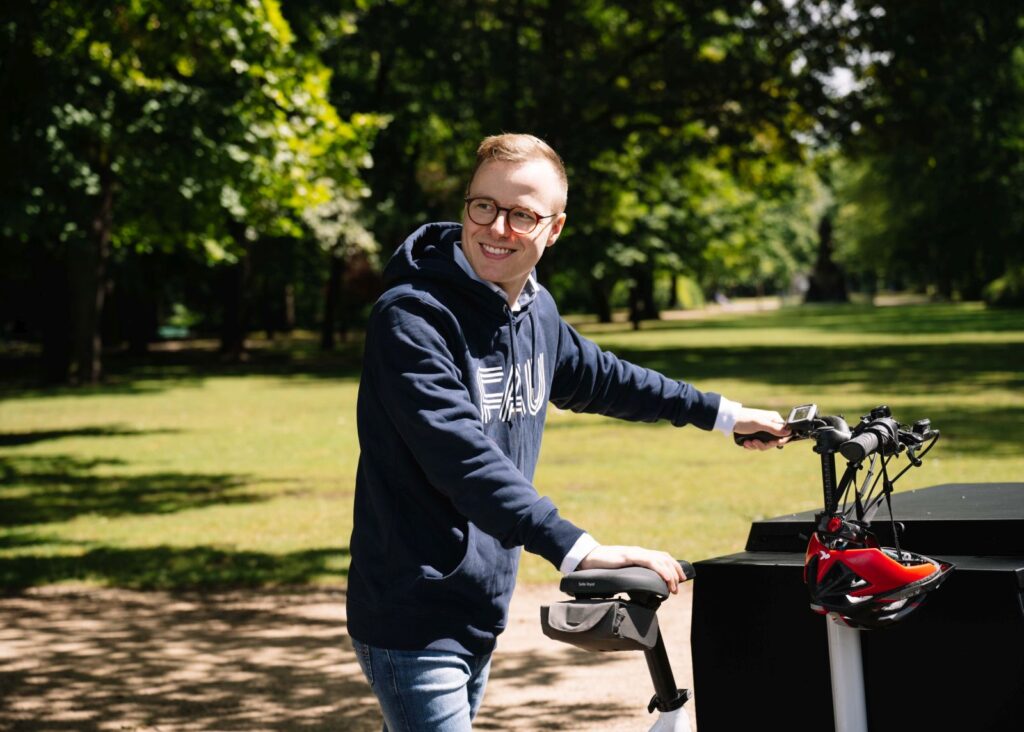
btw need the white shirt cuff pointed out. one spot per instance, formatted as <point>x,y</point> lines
<point>728,412</point>
<point>583,546</point>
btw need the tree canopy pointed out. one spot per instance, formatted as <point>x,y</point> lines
<point>232,165</point>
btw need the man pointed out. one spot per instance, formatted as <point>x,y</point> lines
<point>463,352</point>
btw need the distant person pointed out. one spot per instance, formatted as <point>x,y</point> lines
<point>463,353</point>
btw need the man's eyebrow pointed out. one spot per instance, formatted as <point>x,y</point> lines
<point>533,201</point>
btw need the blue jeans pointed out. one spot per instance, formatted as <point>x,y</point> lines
<point>433,691</point>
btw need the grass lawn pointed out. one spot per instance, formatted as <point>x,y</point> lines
<point>182,472</point>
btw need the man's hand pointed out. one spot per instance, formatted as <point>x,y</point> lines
<point>749,421</point>
<point>612,557</point>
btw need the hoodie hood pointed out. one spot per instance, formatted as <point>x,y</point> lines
<point>434,252</point>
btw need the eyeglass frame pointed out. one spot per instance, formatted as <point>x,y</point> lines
<point>507,210</point>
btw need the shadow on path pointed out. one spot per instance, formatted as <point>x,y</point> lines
<point>114,659</point>
<point>100,659</point>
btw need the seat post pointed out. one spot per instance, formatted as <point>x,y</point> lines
<point>667,696</point>
<point>661,670</point>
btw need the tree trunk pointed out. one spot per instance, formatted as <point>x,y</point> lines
<point>133,303</point>
<point>234,325</point>
<point>641,297</point>
<point>289,307</point>
<point>53,310</point>
<point>332,296</point>
<point>827,282</point>
<point>270,299</point>
<point>513,67</point>
<point>673,291</point>
<point>601,301</point>
<point>141,324</point>
<point>88,275</point>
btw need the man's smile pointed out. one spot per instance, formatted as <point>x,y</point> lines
<point>496,251</point>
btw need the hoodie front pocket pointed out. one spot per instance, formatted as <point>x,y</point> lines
<point>433,574</point>
<point>467,584</point>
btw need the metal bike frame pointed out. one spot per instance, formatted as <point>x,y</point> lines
<point>849,706</point>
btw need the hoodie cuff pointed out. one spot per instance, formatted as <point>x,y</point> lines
<point>728,413</point>
<point>583,546</point>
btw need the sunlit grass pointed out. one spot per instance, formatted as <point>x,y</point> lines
<point>246,477</point>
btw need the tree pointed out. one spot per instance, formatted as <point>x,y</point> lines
<point>630,94</point>
<point>934,125</point>
<point>154,126</point>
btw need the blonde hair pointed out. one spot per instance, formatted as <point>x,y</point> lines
<point>519,148</point>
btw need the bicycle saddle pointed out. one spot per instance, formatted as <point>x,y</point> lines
<point>595,583</point>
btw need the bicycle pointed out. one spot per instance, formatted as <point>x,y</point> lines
<point>599,619</point>
<point>851,578</point>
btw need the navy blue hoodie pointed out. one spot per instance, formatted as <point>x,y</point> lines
<point>451,410</point>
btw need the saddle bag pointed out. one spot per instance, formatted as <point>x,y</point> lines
<point>601,625</point>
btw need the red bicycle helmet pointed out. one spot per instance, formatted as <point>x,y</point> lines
<point>866,585</point>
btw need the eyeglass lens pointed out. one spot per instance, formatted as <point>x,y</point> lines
<point>483,211</point>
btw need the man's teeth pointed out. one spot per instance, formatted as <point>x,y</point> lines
<point>495,250</point>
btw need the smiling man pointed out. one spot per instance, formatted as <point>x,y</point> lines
<point>503,236</point>
<point>464,351</point>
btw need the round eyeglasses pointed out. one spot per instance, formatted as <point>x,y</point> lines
<point>483,212</point>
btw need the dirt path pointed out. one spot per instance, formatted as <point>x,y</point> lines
<point>77,659</point>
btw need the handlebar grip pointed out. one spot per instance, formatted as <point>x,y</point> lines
<point>857,448</point>
<point>740,439</point>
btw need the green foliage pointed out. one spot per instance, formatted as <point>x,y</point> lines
<point>936,128</point>
<point>632,95</point>
<point>191,129</point>
<point>182,143</point>
<point>1008,290</point>
<point>688,293</point>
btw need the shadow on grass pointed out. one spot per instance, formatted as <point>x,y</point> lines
<point>43,489</point>
<point>984,431</point>
<point>909,319</point>
<point>170,568</point>
<point>191,361</point>
<point>990,430</point>
<point>912,369</point>
<point>20,439</point>
<point>921,319</point>
<point>187,363</point>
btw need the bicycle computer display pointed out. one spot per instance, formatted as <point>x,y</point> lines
<point>801,417</point>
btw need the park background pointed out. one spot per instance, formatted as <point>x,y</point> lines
<point>785,202</point>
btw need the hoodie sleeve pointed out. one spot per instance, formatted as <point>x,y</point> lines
<point>588,379</point>
<point>422,391</point>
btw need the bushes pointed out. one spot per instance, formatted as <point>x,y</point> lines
<point>1008,290</point>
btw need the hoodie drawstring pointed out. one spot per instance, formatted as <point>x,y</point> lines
<point>509,407</point>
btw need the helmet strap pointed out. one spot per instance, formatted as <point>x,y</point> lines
<point>887,492</point>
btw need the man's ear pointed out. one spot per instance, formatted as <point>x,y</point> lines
<point>556,229</point>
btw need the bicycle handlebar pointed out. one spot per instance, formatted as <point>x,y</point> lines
<point>857,448</point>
<point>876,432</point>
<point>741,439</point>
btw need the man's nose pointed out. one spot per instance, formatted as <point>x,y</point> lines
<point>500,227</point>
